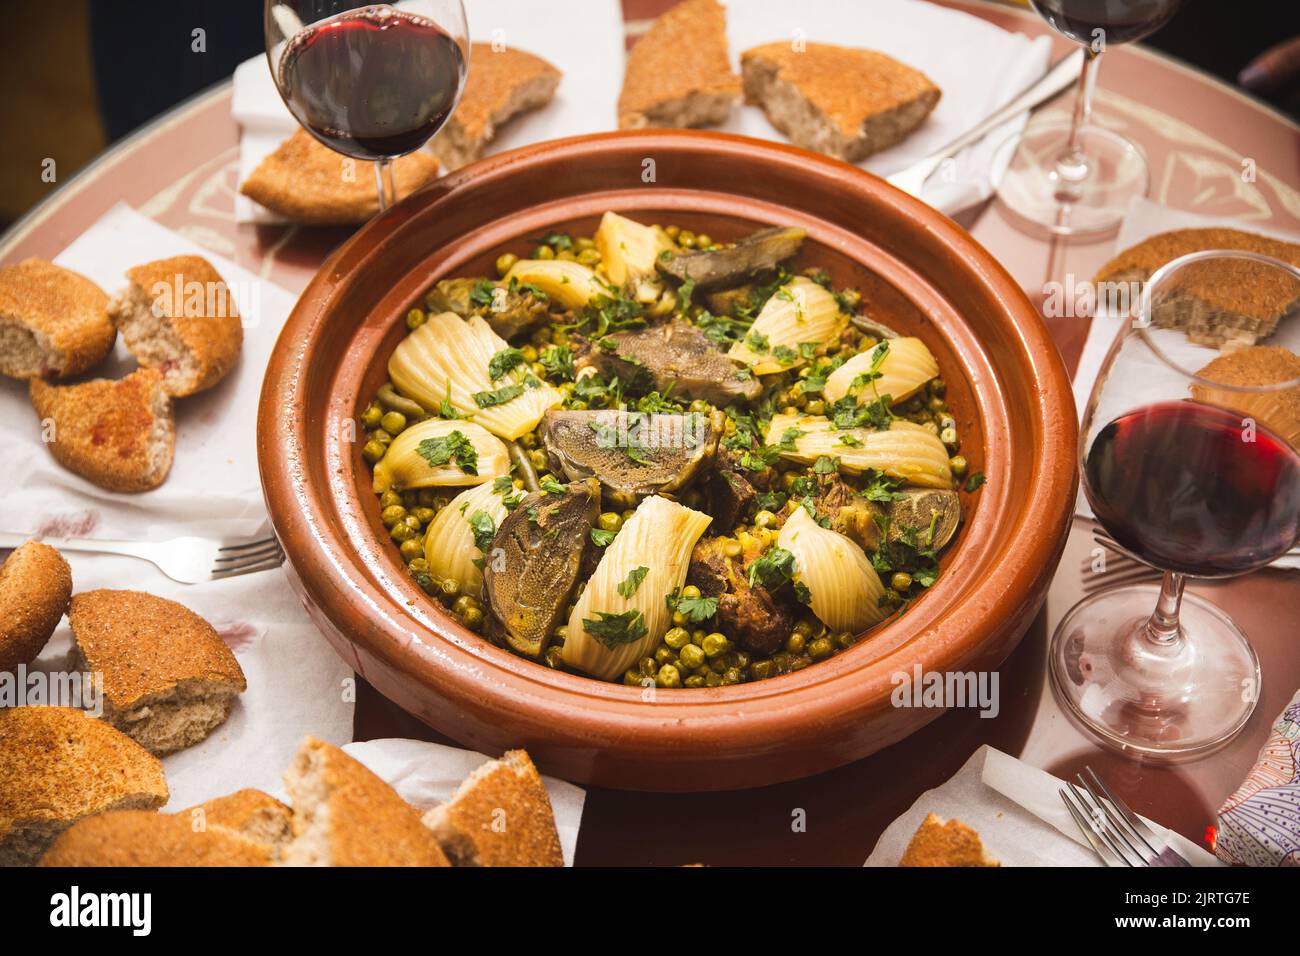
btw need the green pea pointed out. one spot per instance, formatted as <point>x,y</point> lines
<point>715,644</point>
<point>423,515</point>
<point>505,262</point>
<point>678,638</point>
<point>382,437</point>
<point>418,565</point>
<point>668,676</point>
<point>544,252</point>
<point>589,257</point>
<point>691,591</point>
<point>695,680</point>
<point>610,521</point>
<point>938,386</point>
<point>411,548</point>
<point>393,422</point>
<point>901,581</point>
<point>762,670</point>
<point>537,457</point>
<point>392,515</point>
<point>372,451</point>
<point>389,498</point>
<point>795,643</point>
<point>415,318</point>
<point>449,587</point>
<point>691,656</point>
<point>402,532</point>
<point>461,605</point>
<point>958,464</point>
<point>472,618</point>
<point>371,417</point>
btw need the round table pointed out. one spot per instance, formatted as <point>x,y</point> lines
<point>182,171</point>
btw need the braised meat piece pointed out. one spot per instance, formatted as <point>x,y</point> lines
<point>756,620</point>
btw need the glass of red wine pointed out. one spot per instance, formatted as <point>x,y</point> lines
<point>1071,177</point>
<point>1189,456</point>
<point>371,81</point>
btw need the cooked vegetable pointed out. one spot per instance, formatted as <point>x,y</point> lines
<point>750,256</point>
<point>932,515</point>
<point>898,368</point>
<point>437,452</point>
<point>508,307</point>
<point>453,542</point>
<point>629,251</point>
<point>798,321</point>
<point>905,450</point>
<point>749,613</point>
<point>676,356</point>
<point>534,564</point>
<point>608,629</point>
<point>447,360</point>
<point>633,454</point>
<point>832,575</point>
<point>569,283</point>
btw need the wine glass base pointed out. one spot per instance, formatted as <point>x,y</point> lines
<point>1088,199</point>
<point>1161,703</point>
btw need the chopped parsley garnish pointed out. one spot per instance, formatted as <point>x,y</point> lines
<point>975,480</point>
<point>602,538</point>
<point>849,441</point>
<point>696,610</point>
<point>484,293</point>
<point>628,586</point>
<point>452,447</point>
<point>553,487</point>
<point>558,362</point>
<point>757,342</point>
<point>880,487</point>
<point>785,355</point>
<point>559,241</point>
<point>721,329</point>
<point>503,485</point>
<point>613,630</point>
<point>498,396</point>
<point>639,455</point>
<point>763,457</point>
<point>446,409</point>
<point>773,569</point>
<point>801,593</point>
<point>789,437</point>
<point>485,529</point>
<point>504,361</point>
<point>826,465</point>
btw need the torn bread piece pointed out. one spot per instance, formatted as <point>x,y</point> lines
<point>168,678</point>
<point>499,816</point>
<point>136,838</point>
<point>118,434</point>
<point>53,321</point>
<point>178,316</point>
<point>249,813</point>
<point>679,73</point>
<point>307,182</point>
<point>503,83</point>
<point>344,815</point>
<point>1254,365</point>
<point>950,843</point>
<point>35,586</point>
<point>58,765</point>
<point>844,102</point>
<point>1218,302</point>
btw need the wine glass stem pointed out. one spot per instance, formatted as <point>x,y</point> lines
<point>1162,626</point>
<point>384,184</point>
<point>1072,163</point>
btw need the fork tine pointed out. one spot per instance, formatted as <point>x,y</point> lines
<point>1087,831</point>
<point>1134,822</point>
<point>1091,825</point>
<point>266,565</point>
<point>247,545</point>
<point>1112,580</point>
<point>1115,826</point>
<point>245,556</point>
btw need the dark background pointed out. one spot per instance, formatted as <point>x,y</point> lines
<point>80,74</point>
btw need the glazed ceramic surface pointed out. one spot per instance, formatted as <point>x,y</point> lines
<point>918,272</point>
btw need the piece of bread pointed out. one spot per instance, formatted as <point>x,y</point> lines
<point>136,838</point>
<point>58,765</point>
<point>841,101</point>
<point>53,321</point>
<point>951,843</point>
<point>307,182</point>
<point>679,73</point>
<point>178,316</point>
<point>499,816</point>
<point>1220,301</point>
<point>502,83</point>
<point>251,814</point>
<point>118,434</point>
<point>343,815</point>
<point>35,585</point>
<point>169,679</point>
<point>1278,411</point>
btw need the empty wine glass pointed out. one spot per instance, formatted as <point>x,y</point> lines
<point>1189,456</point>
<point>1072,177</point>
<point>371,81</point>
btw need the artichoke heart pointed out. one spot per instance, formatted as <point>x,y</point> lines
<point>749,257</point>
<point>833,574</point>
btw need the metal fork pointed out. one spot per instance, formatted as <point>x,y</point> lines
<point>187,560</point>
<point>1117,835</point>
<point>1059,78</point>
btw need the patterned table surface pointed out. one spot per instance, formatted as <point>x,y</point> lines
<point>1197,134</point>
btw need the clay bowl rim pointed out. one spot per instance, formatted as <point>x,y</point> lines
<point>850,684</point>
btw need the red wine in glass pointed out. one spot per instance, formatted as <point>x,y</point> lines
<point>1176,485</point>
<point>1120,21</point>
<point>373,83</point>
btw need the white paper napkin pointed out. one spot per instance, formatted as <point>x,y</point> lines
<point>1018,813</point>
<point>978,66</point>
<point>582,38</point>
<point>296,683</point>
<point>427,774</point>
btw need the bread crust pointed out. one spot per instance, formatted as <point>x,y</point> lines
<point>251,814</point>
<point>350,816</point>
<point>303,181</point>
<point>58,765</point>
<point>502,84</point>
<point>130,838</point>
<point>35,586</point>
<point>206,326</point>
<point>118,434</point>
<point>679,73</point>
<point>940,843</point>
<point>152,653</point>
<point>65,312</point>
<point>500,816</point>
<point>883,104</point>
